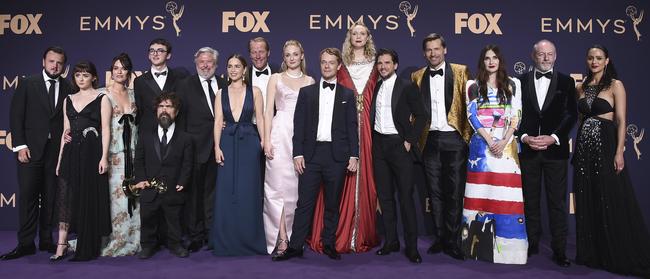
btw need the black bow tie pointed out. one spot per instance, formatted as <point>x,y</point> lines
<point>259,73</point>
<point>436,72</point>
<point>164,73</point>
<point>327,84</point>
<point>548,75</point>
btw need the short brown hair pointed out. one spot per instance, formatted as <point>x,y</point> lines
<point>167,95</point>
<point>332,51</point>
<point>259,40</point>
<point>433,37</point>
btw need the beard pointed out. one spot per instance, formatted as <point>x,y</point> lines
<point>165,120</point>
<point>51,75</point>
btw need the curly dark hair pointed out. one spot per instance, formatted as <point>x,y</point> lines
<point>167,95</point>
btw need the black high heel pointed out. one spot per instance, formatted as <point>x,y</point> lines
<point>56,258</point>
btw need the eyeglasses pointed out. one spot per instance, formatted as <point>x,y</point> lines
<point>157,51</point>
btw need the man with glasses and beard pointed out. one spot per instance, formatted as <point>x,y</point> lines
<point>36,122</point>
<point>163,155</point>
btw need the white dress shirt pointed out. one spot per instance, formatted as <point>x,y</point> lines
<point>206,92</point>
<point>384,123</point>
<point>161,79</point>
<point>438,109</point>
<point>262,81</point>
<point>325,111</point>
<point>170,132</point>
<point>541,89</point>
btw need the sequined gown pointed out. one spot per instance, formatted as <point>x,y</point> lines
<point>82,200</point>
<point>610,230</point>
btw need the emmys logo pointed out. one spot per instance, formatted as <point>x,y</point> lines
<point>21,24</point>
<point>405,7</point>
<point>4,201</point>
<point>245,21</point>
<point>172,8</point>
<point>478,23</point>
<point>9,82</point>
<point>631,12</point>
<point>632,131</point>
<point>520,68</point>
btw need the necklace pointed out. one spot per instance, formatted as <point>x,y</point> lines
<point>294,76</point>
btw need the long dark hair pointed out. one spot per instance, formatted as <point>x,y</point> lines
<point>503,82</point>
<point>608,76</point>
<point>242,60</point>
<point>88,67</point>
<point>126,63</point>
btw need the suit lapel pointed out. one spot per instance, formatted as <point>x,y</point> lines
<point>156,144</point>
<point>394,99</point>
<point>552,88</point>
<point>63,90</point>
<point>338,100</point>
<point>199,90</point>
<point>315,100</point>
<point>425,89</point>
<point>43,96</point>
<point>373,107</point>
<point>148,78</point>
<point>532,90</point>
<point>170,145</point>
<point>449,87</point>
<point>169,82</point>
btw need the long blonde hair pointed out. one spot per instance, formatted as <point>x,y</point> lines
<point>303,63</point>
<point>348,52</point>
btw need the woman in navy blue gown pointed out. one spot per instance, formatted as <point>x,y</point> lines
<point>237,227</point>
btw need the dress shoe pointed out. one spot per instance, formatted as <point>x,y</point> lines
<point>287,254</point>
<point>195,246</point>
<point>435,248</point>
<point>387,249</point>
<point>533,250</point>
<point>18,252</point>
<point>56,258</point>
<point>561,260</point>
<point>179,251</point>
<point>47,246</point>
<point>147,252</point>
<point>413,256</point>
<point>455,253</point>
<point>330,251</point>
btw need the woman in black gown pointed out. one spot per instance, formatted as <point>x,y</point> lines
<point>82,198</point>
<point>611,233</point>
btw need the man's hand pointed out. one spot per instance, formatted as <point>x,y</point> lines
<point>67,138</point>
<point>142,185</point>
<point>407,146</point>
<point>24,155</point>
<point>299,164</point>
<point>179,188</point>
<point>353,164</point>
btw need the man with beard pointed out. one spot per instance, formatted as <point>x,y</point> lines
<point>163,155</point>
<point>198,93</point>
<point>36,122</point>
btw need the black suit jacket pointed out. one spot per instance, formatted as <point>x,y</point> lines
<point>449,89</point>
<point>146,90</point>
<point>345,137</point>
<point>196,117</point>
<point>405,102</point>
<point>174,167</point>
<point>557,116</point>
<point>249,72</point>
<point>31,119</point>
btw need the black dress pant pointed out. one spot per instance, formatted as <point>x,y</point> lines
<point>445,165</point>
<point>151,213</point>
<point>534,170</point>
<point>200,205</point>
<point>392,163</point>
<point>320,169</point>
<point>36,193</point>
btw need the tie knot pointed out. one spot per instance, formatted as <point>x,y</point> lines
<point>436,72</point>
<point>547,75</point>
<point>328,85</point>
<point>52,81</point>
<point>164,131</point>
<point>259,73</point>
<point>163,73</point>
<point>208,81</point>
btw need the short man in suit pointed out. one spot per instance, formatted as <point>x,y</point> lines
<point>548,115</point>
<point>260,73</point>
<point>150,84</point>
<point>325,144</point>
<point>394,141</point>
<point>197,93</point>
<point>36,121</point>
<point>442,88</point>
<point>164,155</point>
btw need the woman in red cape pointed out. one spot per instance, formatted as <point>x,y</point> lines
<point>356,228</point>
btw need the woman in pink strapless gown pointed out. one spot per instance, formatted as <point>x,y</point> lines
<point>281,180</point>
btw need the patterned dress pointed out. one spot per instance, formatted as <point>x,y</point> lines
<point>125,238</point>
<point>494,228</point>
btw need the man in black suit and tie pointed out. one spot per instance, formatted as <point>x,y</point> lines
<point>165,155</point>
<point>548,115</point>
<point>150,84</point>
<point>394,139</point>
<point>325,144</point>
<point>442,87</point>
<point>36,121</point>
<point>197,93</point>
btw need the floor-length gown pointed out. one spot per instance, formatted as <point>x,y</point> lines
<point>610,230</point>
<point>356,230</point>
<point>125,238</point>
<point>281,179</point>
<point>237,227</point>
<point>83,202</point>
<point>493,227</point>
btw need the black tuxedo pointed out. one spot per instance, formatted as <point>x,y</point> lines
<point>34,123</point>
<point>146,90</point>
<point>198,121</point>
<point>392,162</point>
<point>325,161</point>
<point>174,167</point>
<point>557,116</point>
